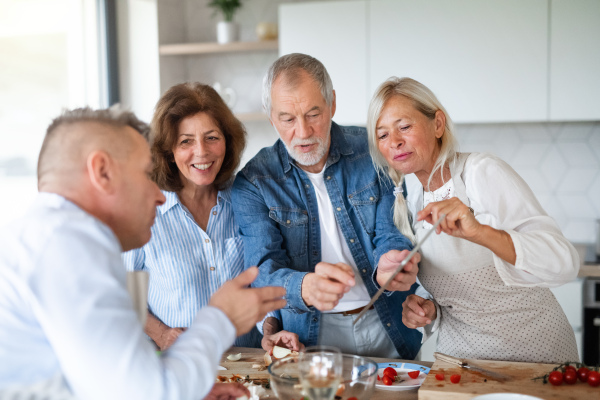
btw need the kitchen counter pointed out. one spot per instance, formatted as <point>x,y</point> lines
<point>252,356</point>
<point>588,269</point>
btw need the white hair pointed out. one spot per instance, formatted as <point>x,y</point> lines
<point>425,102</point>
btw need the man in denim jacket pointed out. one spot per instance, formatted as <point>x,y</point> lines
<point>316,219</point>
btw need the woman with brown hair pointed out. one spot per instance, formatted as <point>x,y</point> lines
<point>197,144</point>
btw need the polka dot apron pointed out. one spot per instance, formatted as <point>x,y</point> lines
<point>482,317</point>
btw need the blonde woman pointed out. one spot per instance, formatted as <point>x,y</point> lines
<point>496,253</point>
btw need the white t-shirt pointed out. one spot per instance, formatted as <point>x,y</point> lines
<point>334,248</point>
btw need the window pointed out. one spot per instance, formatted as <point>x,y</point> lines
<point>50,61</point>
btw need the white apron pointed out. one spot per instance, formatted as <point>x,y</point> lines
<point>481,317</point>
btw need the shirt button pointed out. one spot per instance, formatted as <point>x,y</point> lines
<point>351,240</point>
<point>288,222</point>
<point>339,209</point>
<point>207,240</point>
<point>307,185</point>
<point>328,177</point>
<point>364,270</point>
<point>212,268</point>
<point>214,213</point>
<point>371,198</point>
<point>388,324</point>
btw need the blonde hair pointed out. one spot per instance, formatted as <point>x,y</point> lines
<point>425,102</point>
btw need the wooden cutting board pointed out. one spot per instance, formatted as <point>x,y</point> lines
<point>244,365</point>
<point>521,374</point>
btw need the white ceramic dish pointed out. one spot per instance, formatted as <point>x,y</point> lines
<point>402,369</point>
<point>505,396</point>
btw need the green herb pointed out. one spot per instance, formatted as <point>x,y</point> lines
<point>227,7</point>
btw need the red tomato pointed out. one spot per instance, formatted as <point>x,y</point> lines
<point>439,377</point>
<point>455,378</point>
<point>387,380</point>
<point>593,378</point>
<point>568,367</point>
<point>391,372</point>
<point>583,373</point>
<point>352,398</point>
<point>570,376</point>
<point>556,378</point>
<point>378,378</point>
<point>414,374</point>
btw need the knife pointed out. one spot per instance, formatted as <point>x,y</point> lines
<point>400,268</point>
<point>464,364</point>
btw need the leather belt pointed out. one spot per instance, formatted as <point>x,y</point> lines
<point>352,312</point>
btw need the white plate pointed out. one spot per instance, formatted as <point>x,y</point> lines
<point>506,396</point>
<point>402,369</point>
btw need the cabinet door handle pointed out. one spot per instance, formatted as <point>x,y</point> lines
<point>596,321</point>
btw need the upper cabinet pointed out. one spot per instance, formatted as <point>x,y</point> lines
<point>335,33</point>
<point>574,60</point>
<point>485,60</point>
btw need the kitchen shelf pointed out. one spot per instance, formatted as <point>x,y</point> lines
<point>178,49</point>
<point>252,117</point>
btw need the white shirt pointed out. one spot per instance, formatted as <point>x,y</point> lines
<point>64,309</point>
<point>334,248</point>
<point>503,200</point>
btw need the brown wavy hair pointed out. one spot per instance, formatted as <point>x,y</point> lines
<point>186,100</point>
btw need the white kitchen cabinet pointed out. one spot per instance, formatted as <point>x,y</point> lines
<point>335,33</point>
<point>574,60</point>
<point>486,60</point>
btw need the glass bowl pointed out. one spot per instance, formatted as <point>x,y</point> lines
<point>358,378</point>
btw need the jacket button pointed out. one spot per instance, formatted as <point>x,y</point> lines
<point>371,198</point>
<point>364,270</point>
<point>315,319</point>
<point>351,240</point>
<point>328,177</point>
<point>388,324</point>
<point>288,222</point>
<point>339,209</point>
<point>307,185</point>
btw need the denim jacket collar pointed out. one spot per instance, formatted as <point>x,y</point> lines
<point>339,146</point>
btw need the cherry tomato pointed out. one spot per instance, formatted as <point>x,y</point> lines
<point>439,377</point>
<point>391,372</point>
<point>570,376</point>
<point>378,378</point>
<point>387,380</point>
<point>568,367</point>
<point>583,373</point>
<point>414,374</point>
<point>556,378</point>
<point>455,378</point>
<point>593,378</point>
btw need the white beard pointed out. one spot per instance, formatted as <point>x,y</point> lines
<point>312,158</point>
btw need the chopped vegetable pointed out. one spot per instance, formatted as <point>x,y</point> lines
<point>414,374</point>
<point>234,357</point>
<point>454,378</point>
<point>439,377</point>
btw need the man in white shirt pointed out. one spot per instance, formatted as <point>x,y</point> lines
<point>65,315</point>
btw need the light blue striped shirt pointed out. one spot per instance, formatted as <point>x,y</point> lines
<point>186,264</point>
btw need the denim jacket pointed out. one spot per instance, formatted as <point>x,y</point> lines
<point>275,207</point>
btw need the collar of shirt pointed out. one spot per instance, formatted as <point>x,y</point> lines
<point>172,199</point>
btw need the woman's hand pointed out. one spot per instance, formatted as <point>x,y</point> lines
<point>227,391</point>
<point>459,222</point>
<point>418,312</point>
<point>387,266</point>
<point>286,339</point>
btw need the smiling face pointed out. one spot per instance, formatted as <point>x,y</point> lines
<point>302,118</point>
<point>408,139</point>
<point>199,150</point>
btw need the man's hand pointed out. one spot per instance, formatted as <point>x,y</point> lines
<point>246,306</point>
<point>388,264</point>
<point>325,287</point>
<point>227,391</point>
<point>163,335</point>
<point>418,312</point>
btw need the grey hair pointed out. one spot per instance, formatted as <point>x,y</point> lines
<point>115,116</point>
<point>292,65</point>
<point>425,102</point>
